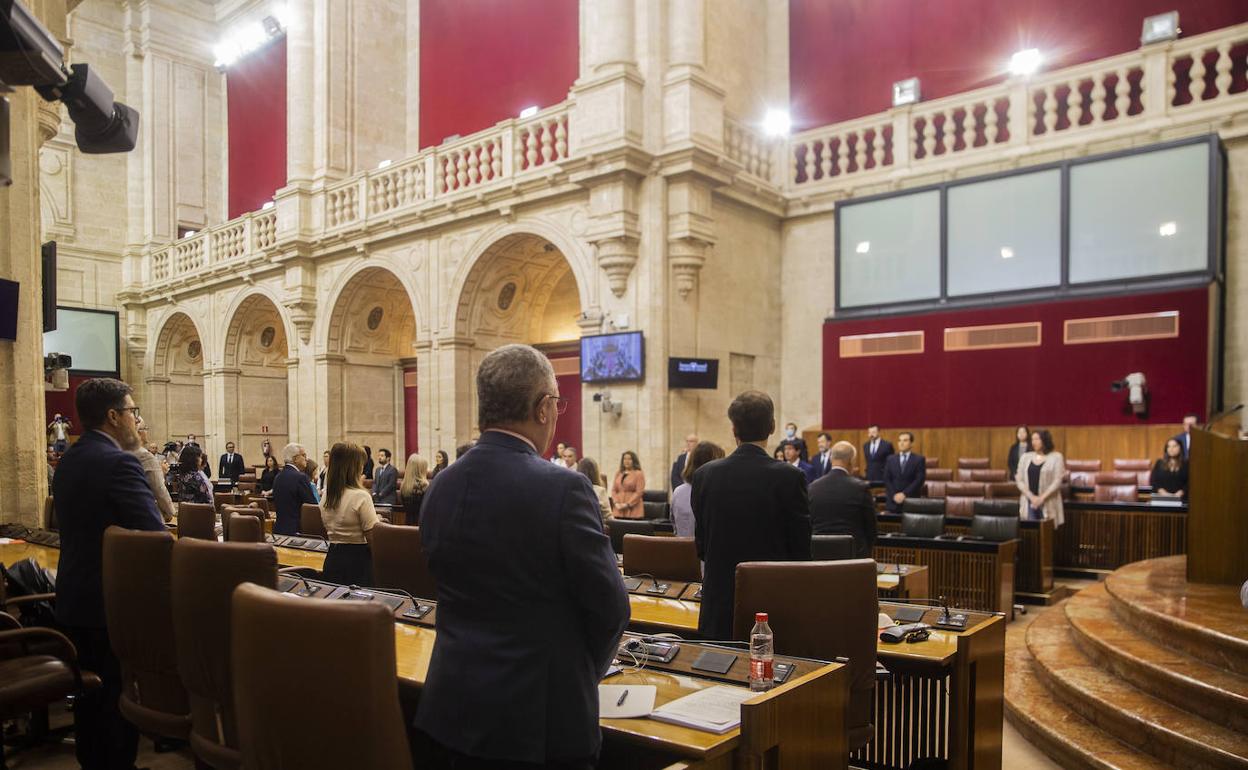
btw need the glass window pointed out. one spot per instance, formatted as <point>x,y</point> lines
<point>1140,215</point>
<point>1005,234</point>
<point>890,250</point>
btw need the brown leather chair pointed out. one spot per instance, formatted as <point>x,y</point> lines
<point>399,560</point>
<point>668,558</point>
<point>1002,490</point>
<point>1142,469</point>
<point>940,474</point>
<point>197,520</point>
<point>243,510</point>
<point>246,487</point>
<point>960,497</point>
<point>922,523</point>
<point>923,505</point>
<point>310,522</point>
<point>368,483</point>
<point>139,608</point>
<point>988,475</point>
<point>243,528</point>
<point>204,576</point>
<point>828,609</point>
<point>618,528</point>
<point>248,477</point>
<point>284,726</point>
<point>995,520</point>
<point>49,514</point>
<point>970,463</point>
<point>935,489</point>
<point>831,547</point>
<point>1083,472</point>
<point>932,462</point>
<point>1116,486</point>
<point>259,502</point>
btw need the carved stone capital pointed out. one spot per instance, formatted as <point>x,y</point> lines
<point>303,316</point>
<point>686,256</point>
<point>617,256</point>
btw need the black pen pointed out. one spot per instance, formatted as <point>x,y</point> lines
<point>620,702</point>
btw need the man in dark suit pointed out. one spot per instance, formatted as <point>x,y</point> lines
<point>790,434</point>
<point>1185,438</point>
<point>99,484</point>
<point>905,472</point>
<point>678,467</point>
<point>746,507</point>
<point>531,604</point>
<point>385,480</point>
<point>291,490</point>
<point>792,457</point>
<point>876,452</point>
<point>841,504</point>
<point>231,464</point>
<point>821,462</point>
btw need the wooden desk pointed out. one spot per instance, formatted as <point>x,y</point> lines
<point>973,574</point>
<point>1106,536</point>
<point>902,581</point>
<point>297,557</point>
<point>44,556</point>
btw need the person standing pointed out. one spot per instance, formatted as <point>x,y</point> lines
<point>790,435</point>
<point>682,510</point>
<point>905,473</point>
<point>368,461</point>
<point>385,479</point>
<point>58,433</point>
<point>876,453</point>
<point>822,462</point>
<point>570,458</point>
<point>627,489</point>
<point>189,482</point>
<point>99,483</point>
<point>349,517</point>
<point>1039,478</point>
<point>269,475</point>
<point>841,504</point>
<point>231,464</point>
<point>412,490</point>
<point>440,461</point>
<point>1169,475</point>
<point>1022,443</point>
<point>588,467</point>
<point>531,604</point>
<point>1185,438</point>
<point>793,457</point>
<point>678,467</point>
<point>291,490</point>
<point>746,507</point>
<point>154,473</point>
<point>557,456</point>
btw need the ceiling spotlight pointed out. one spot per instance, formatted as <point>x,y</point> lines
<point>1167,229</point>
<point>1007,252</point>
<point>1025,62</point>
<point>863,247</point>
<point>272,26</point>
<point>777,123</point>
<point>1160,28</point>
<point>905,92</point>
<point>528,112</point>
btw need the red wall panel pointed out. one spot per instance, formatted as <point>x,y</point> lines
<point>482,61</point>
<point>1054,383</point>
<point>256,95</point>
<point>63,403</point>
<point>411,413</point>
<point>956,45</point>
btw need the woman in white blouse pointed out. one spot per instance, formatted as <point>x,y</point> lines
<point>1039,479</point>
<point>349,517</point>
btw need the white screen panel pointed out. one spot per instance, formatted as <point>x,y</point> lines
<point>890,250</point>
<point>1005,234</point>
<point>89,338</point>
<point>1140,215</point>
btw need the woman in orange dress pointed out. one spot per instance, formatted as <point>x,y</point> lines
<point>630,482</point>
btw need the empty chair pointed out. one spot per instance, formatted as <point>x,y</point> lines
<point>248,476</point>
<point>203,577</point>
<point>923,505</point>
<point>49,514</point>
<point>399,560</point>
<point>960,497</point>
<point>832,547</point>
<point>995,520</point>
<point>197,520</point>
<point>969,463</point>
<point>933,462</point>
<point>310,522</point>
<point>987,475</point>
<point>280,727</point>
<point>243,528</point>
<point>259,502</point>
<point>1083,472</point>
<point>940,474</point>
<point>1003,490</point>
<point>1116,486</point>
<point>244,510</point>
<point>653,496</point>
<point>1141,468</point>
<point>653,509</point>
<point>828,610</point>
<point>670,558</point>
<point>139,610</point>
<point>934,489</point>
<point>618,528</point>
<point>922,524</point>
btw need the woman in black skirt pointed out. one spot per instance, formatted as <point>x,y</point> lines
<point>349,517</point>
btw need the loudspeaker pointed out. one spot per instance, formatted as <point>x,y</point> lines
<point>8,309</point>
<point>49,286</point>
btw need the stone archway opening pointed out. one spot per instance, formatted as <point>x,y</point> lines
<point>255,382</point>
<point>175,397</point>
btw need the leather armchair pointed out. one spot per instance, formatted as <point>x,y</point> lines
<point>310,522</point>
<point>667,558</point>
<point>1116,486</point>
<point>618,528</point>
<point>995,520</point>
<point>197,520</point>
<point>399,561</point>
<point>832,547</point>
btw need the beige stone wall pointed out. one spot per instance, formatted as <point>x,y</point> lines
<point>1236,341</point>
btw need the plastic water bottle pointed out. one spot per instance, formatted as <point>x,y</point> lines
<point>761,649</point>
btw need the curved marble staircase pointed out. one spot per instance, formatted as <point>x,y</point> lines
<point>1141,671</point>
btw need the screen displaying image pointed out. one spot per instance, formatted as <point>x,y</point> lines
<point>612,357</point>
<point>700,373</point>
<point>89,337</point>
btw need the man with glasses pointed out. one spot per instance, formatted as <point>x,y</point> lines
<point>99,483</point>
<point>291,490</point>
<point>530,602</point>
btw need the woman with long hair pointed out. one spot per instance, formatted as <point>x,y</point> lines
<point>682,509</point>
<point>588,468</point>
<point>1169,475</point>
<point>349,517</point>
<point>312,471</point>
<point>412,490</point>
<point>440,461</point>
<point>1039,479</point>
<point>189,481</point>
<point>1022,443</point>
<point>271,469</point>
<point>630,482</point>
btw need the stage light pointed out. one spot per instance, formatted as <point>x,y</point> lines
<point>267,205</point>
<point>384,164</point>
<point>528,112</point>
<point>863,247</point>
<point>905,92</point>
<point>1007,252</point>
<point>245,38</point>
<point>1167,229</point>
<point>1025,62</point>
<point>777,123</point>
<point>1160,28</point>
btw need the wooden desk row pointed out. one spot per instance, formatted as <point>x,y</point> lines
<point>1106,536</point>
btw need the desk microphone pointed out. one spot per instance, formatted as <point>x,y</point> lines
<point>307,590</point>
<point>656,587</point>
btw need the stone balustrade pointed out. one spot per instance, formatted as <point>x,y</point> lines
<point>755,152</point>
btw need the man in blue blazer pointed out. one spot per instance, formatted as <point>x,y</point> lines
<point>792,457</point>
<point>98,484</point>
<point>291,489</point>
<point>385,480</point>
<point>821,461</point>
<point>531,604</point>
<point>905,473</point>
<point>875,453</point>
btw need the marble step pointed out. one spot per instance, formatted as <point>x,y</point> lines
<point>1190,683</point>
<point>1203,621</point>
<point>1168,733</point>
<point>1069,739</point>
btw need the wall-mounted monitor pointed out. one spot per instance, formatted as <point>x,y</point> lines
<point>616,357</point>
<point>694,373</point>
<point>89,337</point>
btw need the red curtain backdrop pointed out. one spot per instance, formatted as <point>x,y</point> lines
<point>63,403</point>
<point>482,61</point>
<point>411,414</point>
<point>1054,384</point>
<point>956,45</point>
<point>256,95</point>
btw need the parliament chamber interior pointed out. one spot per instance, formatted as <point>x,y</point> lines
<point>719,384</point>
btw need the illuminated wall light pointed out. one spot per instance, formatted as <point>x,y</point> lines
<point>528,112</point>
<point>242,40</point>
<point>384,164</point>
<point>267,205</point>
<point>1026,62</point>
<point>863,247</point>
<point>1167,229</point>
<point>777,123</point>
<point>905,92</point>
<point>1160,28</point>
<point>188,233</point>
<point>1007,252</point>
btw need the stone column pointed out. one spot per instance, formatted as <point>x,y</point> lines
<point>328,390</point>
<point>333,90</point>
<point>458,419</point>
<point>300,92</point>
<point>607,35</point>
<point>221,409</point>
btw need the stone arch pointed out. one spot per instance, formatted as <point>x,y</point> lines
<point>175,388</point>
<point>254,381</point>
<point>348,329</point>
<point>242,313</point>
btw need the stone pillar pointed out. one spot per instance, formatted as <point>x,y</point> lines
<point>607,35</point>
<point>328,391</point>
<point>155,407</point>
<point>333,90</point>
<point>222,404</point>
<point>300,92</point>
<point>412,91</point>
<point>458,419</point>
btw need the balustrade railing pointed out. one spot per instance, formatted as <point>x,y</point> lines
<point>755,153</point>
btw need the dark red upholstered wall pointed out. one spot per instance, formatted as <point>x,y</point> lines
<point>955,45</point>
<point>482,61</point>
<point>256,96</point>
<point>1053,384</point>
<point>411,414</point>
<point>63,403</point>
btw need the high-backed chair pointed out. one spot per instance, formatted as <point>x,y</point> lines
<point>618,528</point>
<point>368,483</point>
<point>197,520</point>
<point>1116,486</point>
<point>829,610</point>
<point>204,576</point>
<point>248,477</point>
<point>138,606</point>
<point>653,509</point>
<point>960,497</point>
<point>995,520</point>
<point>1083,472</point>
<point>221,499</point>
<point>831,547</point>
<point>310,522</point>
<point>244,510</point>
<point>1142,468</point>
<point>654,496</point>
<point>923,505</point>
<point>922,524</point>
<point>243,528</point>
<point>935,489</point>
<point>987,475</point>
<point>259,502</point>
<point>940,474</point>
<point>359,692</point>
<point>970,463</point>
<point>1002,490</point>
<point>49,514</point>
<point>399,560</point>
<point>246,487</point>
<point>670,558</point>
<point>932,462</point>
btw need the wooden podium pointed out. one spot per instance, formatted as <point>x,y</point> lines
<point>1217,517</point>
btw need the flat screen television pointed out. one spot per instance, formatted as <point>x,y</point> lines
<point>700,373</point>
<point>90,337</point>
<point>616,357</point>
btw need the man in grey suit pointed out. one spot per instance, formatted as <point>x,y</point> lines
<point>531,604</point>
<point>385,480</point>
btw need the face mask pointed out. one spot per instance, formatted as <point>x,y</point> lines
<point>790,432</point>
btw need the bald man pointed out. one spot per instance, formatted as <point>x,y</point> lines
<point>841,504</point>
<point>678,467</point>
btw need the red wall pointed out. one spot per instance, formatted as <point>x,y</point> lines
<point>956,45</point>
<point>63,403</point>
<point>1054,384</point>
<point>256,95</point>
<point>482,61</point>
<point>411,413</point>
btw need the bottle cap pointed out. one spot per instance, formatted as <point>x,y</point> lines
<point>760,617</point>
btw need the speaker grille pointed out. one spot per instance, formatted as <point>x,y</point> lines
<point>889,344</point>
<point>1119,328</point>
<point>991,337</point>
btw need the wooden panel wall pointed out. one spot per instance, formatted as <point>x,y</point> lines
<point>1075,442</point>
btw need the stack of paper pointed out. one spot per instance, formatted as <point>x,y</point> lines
<point>715,709</point>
